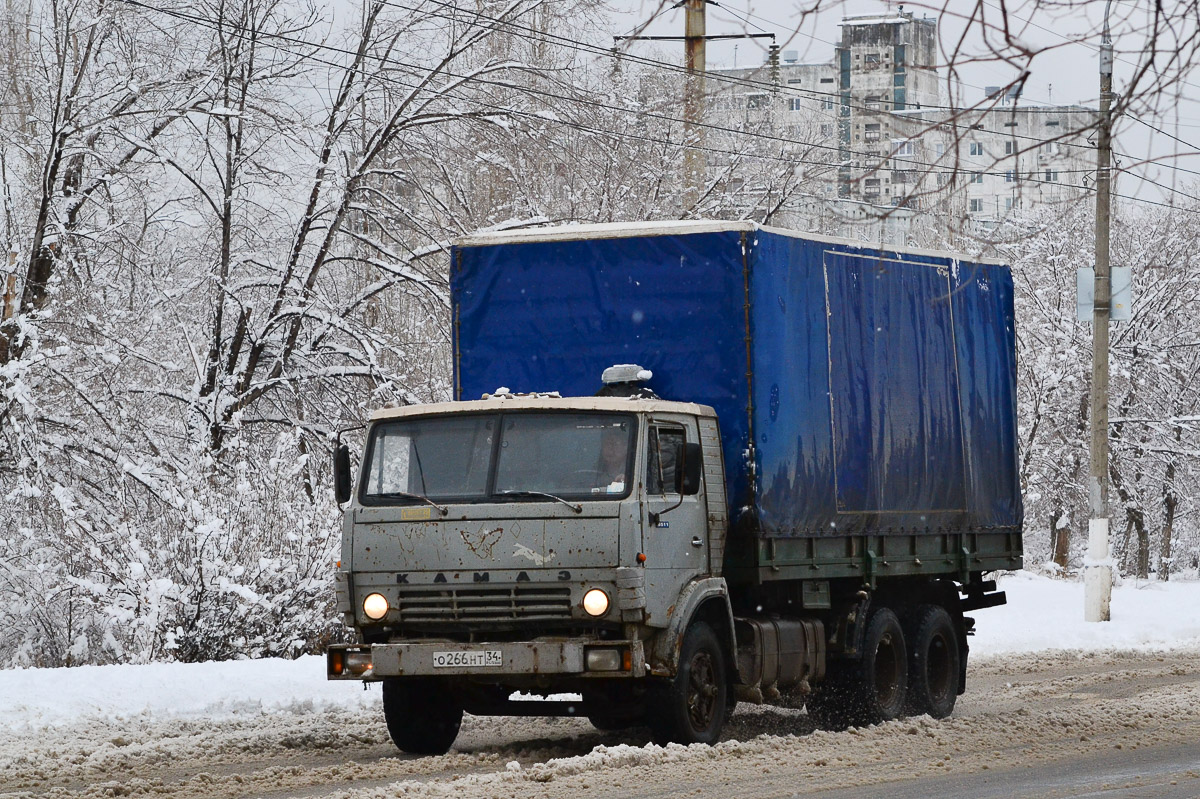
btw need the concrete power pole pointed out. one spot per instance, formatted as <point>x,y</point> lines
<point>694,162</point>
<point>1097,580</point>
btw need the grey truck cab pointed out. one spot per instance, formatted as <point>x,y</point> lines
<point>535,544</point>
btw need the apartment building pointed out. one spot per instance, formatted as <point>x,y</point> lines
<point>895,146</point>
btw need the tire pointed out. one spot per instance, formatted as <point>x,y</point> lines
<point>421,717</point>
<point>933,662</point>
<point>872,689</point>
<point>692,707</point>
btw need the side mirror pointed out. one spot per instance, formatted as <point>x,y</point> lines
<point>688,478</point>
<point>341,473</point>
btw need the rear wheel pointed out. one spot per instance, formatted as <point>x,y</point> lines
<point>421,717</point>
<point>873,688</point>
<point>692,708</point>
<point>933,662</point>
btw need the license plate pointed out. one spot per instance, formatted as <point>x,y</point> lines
<point>469,660</point>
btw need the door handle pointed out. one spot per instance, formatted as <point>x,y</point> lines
<point>696,542</point>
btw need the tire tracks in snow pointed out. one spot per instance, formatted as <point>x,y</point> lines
<point>1019,712</point>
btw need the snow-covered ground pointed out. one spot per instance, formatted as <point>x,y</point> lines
<point>1042,615</point>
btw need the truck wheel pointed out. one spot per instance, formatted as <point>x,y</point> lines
<point>883,676</point>
<point>421,718</point>
<point>933,662</point>
<point>871,689</point>
<point>691,709</point>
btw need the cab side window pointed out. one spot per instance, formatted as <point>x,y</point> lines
<point>664,457</point>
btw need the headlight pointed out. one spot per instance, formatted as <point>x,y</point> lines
<point>595,602</point>
<point>375,606</point>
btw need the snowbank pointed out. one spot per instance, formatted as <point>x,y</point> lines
<point>1042,615</point>
<point>42,697</point>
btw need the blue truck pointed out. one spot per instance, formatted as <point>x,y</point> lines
<point>688,464</point>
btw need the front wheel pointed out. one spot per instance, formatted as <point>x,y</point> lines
<point>421,717</point>
<point>692,708</point>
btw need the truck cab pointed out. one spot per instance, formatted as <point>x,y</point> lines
<point>533,543</point>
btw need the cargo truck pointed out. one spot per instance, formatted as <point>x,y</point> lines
<point>790,485</point>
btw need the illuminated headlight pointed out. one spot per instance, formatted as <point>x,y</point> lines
<point>375,606</point>
<point>595,602</point>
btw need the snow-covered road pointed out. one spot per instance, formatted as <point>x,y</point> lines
<point>1116,695</point>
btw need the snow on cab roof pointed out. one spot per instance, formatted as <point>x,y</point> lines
<point>614,230</point>
<point>545,402</point>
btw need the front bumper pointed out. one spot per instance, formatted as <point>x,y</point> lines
<point>516,658</point>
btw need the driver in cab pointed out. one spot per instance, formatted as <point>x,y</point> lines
<point>614,459</point>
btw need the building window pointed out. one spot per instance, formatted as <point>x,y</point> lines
<point>1010,203</point>
<point>756,100</point>
<point>872,102</point>
<point>827,104</point>
<point>1051,123</point>
<point>976,148</point>
<point>1009,176</point>
<point>796,104</point>
<point>827,130</point>
<point>793,81</point>
<point>976,206</point>
<point>871,58</point>
<point>977,177</point>
<point>1052,176</point>
<point>871,132</point>
<point>902,148</point>
<point>826,80</point>
<point>1008,148</point>
<point>940,149</point>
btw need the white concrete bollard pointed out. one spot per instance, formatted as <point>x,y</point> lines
<point>1097,574</point>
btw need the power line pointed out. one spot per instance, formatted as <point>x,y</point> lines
<point>718,76</point>
<point>1067,39</point>
<point>803,92</point>
<point>1168,135</point>
<point>541,118</point>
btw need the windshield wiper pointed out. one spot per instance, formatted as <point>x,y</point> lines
<point>406,495</point>
<point>515,493</point>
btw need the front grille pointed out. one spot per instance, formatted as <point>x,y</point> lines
<point>520,603</point>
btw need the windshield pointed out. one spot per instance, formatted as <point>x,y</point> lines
<point>482,457</point>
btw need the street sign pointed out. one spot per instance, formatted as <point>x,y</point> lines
<point>1121,306</point>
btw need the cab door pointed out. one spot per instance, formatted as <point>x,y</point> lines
<point>674,535</point>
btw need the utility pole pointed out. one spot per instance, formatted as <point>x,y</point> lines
<point>1097,579</point>
<point>694,161</point>
<point>694,39</point>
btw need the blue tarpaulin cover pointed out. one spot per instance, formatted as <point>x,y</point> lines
<point>879,387</point>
